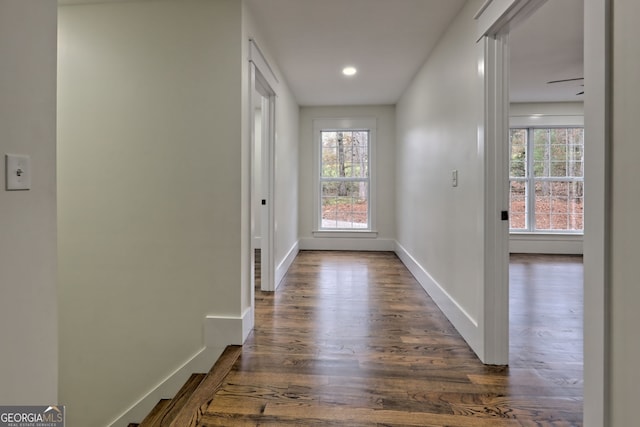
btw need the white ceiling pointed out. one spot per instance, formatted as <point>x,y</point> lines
<point>388,40</point>
<point>548,46</point>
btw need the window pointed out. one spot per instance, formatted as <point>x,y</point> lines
<point>344,185</point>
<point>547,179</point>
<point>345,179</point>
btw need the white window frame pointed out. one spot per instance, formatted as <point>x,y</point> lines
<point>344,124</point>
<point>531,180</point>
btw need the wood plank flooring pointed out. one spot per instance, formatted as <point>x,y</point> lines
<point>351,339</point>
<point>202,396</point>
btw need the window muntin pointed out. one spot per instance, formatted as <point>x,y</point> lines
<point>344,179</point>
<point>547,179</point>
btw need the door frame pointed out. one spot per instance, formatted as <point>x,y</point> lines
<point>262,80</point>
<point>495,19</point>
<point>495,314</point>
<point>597,125</point>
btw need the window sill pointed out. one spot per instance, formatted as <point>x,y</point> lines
<point>548,234</point>
<point>345,233</point>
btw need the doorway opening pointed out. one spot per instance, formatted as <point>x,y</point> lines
<point>496,19</point>
<point>262,123</point>
<point>546,187</point>
<point>260,198</point>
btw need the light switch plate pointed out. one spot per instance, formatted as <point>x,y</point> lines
<point>18,172</point>
<point>454,178</point>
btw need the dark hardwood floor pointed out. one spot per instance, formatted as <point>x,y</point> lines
<point>351,339</point>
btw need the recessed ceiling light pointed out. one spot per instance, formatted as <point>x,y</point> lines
<point>349,71</point>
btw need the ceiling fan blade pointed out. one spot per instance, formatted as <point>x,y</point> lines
<point>566,80</point>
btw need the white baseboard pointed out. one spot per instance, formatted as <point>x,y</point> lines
<point>283,267</point>
<point>228,330</point>
<point>461,320</point>
<point>346,244</point>
<point>219,332</point>
<point>201,362</point>
<point>562,244</point>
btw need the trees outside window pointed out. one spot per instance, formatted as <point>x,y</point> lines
<point>547,179</point>
<point>344,179</point>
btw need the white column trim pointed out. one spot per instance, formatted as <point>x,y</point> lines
<point>256,56</point>
<point>495,309</point>
<point>228,330</point>
<point>597,112</point>
<point>499,16</point>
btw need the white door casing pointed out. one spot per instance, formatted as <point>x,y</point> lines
<point>495,19</point>
<point>262,82</point>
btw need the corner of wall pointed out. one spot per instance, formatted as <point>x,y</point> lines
<point>228,330</point>
<point>219,332</point>
<point>461,320</point>
<point>201,362</point>
<point>283,267</point>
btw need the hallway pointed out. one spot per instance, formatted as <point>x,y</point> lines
<point>351,339</point>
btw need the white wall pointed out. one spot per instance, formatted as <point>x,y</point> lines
<point>286,182</point>
<point>539,115</point>
<point>384,177</point>
<point>546,114</point>
<point>149,193</point>
<point>28,301</point>
<point>439,227</point>
<point>625,205</point>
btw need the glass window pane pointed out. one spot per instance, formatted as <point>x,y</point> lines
<point>329,154</point>
<point>541,152</point>
<point>555,153</point>
<point>518,164</point>
<point>345,154</point>
<point>575,152</point>
<point>345,205</point>
<point>344,171</point>
<point>559,206</point>
<point>558,152</point>
<point>518,205</point>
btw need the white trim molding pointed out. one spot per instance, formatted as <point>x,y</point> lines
<point>493,139</point>
<point>263,81</point>
<point>201,362</point>
<point>346,244</point>
<point>219,332</point>
<point>256,56</point>
<point>284,265</point>
<point>597,251</point>
<point>351,234</point>
<point>537,121</point>
<point>466,325</point>
<point>499,16</point>
<point>228,330</point>
<point>537,243</point>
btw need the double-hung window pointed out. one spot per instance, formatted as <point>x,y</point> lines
<point>344,185</point>
<point>547,179</point>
